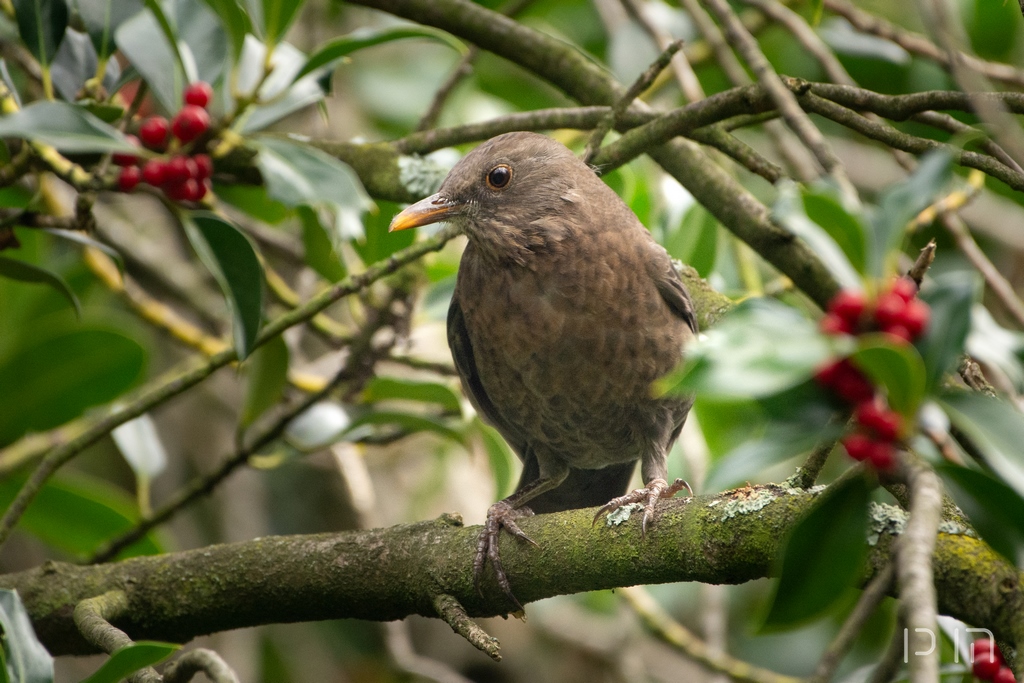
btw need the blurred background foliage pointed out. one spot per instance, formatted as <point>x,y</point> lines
<point>89,317</point>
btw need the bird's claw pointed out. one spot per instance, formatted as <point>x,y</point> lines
<point>500,516</point>
<point>648,496</point>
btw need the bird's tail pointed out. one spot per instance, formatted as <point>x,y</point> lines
<point>581,489</point>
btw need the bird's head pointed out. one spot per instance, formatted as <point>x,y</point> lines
<point>514,194</point>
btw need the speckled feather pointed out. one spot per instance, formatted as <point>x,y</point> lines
<point>564,313</point>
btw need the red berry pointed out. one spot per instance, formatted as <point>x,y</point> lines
<point>986,645</point>
<point>1004,675</point>
<point>905,288</point>
<point>889,310</point>
<point>833,325</point>
<point>176,170</point>
<point>827,375</point>
<point>126,158</point>
<point>193,168</point>
<point>177,191</point>
<point>881,455</point>
<point>205,165</point>
<point>858,446</point>
<point>190,123</point>
<point>194,190</point>
<point>153,172</point>
<point>129,178</point>
<point>916,317</point>
<point>849,304</point>
<point>199,93</point>
<point>883,422</point>
<point>851,384</point>
<point>985,666</point>
<point>153,132</point>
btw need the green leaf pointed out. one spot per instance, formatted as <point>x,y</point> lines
<point>23,271</point>
<point>232,259</point>
<point>320,253</point>
<point>899,205</point>
<point>276,17</point>
<point>76,513</point>
<point>143,40</point>
<point>83,239</point>
<point>267,377</point>
<point>103,17</point>
<point>899,368</point>
<point>235,21</point>
<point>993,426</point>
<point>788,212</point>
<point>279,94</point>
<point>127,660</point>
<point>205,43</point>
<point>297,174</point>
<point>759,348</point>
<point>41,24</point>
<point>500,457</point>
<point>342,46</point>
<point>377,243</point>
<point>824,554</point>
<point>846,228</point>
<point>27,661</point>
<point>407,423</point>
<point>995,509</point>
<point>252,200</point>
<point>53,377</point>
<point>695,241</point>
<point>785,426</point>
<point>390,388</point>
<point>950,299</point>
<point>65,126</point>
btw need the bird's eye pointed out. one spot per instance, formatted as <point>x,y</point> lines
<point>499,176</point>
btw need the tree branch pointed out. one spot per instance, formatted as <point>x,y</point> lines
<point>386,574</point>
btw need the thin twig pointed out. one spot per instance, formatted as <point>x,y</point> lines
<point>454,614</point>
<point>360,360</point>
<point>917,44</point>
<point>681,66</point>
<point>922,263</point>
<point>873,594</point>
<point>798,121</point>
<point>56,458</point>
<point>670,631</point>
<point>200,660</point>
<point>914,569</point>
<point>643,81</point>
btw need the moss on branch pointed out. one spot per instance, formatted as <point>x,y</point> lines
<point>386,574</point>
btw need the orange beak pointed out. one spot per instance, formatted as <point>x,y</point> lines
<point>433,209</point>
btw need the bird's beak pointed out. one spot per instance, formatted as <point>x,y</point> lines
<point>433,209</point>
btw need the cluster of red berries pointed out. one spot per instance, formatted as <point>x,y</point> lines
<point>988,662</point>
<point>182,177</point>
<point>897,313</point>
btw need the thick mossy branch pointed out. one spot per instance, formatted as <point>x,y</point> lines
<point>386,574</point>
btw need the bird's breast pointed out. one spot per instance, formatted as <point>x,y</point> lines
<point>568,347</point>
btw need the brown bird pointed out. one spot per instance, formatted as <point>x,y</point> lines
<point>565,312</point>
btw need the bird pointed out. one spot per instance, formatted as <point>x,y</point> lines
<point>565,312</point>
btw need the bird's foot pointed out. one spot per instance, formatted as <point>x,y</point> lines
<point>648,496</point>
<point>500,516</point>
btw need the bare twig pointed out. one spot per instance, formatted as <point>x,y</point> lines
<point>796,119</point>
<point>670,631</point>
<point>200,660</point>
<point>454,614</point>
<point>641,84</point>
<point>914,569</point>
<point>923,263</point>
<point>681,66</point>
<point>362,356</point>
<point>56,458</point>
<point>873,594</point>
<point>998,284</point>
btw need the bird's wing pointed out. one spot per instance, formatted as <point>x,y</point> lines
<point>671,287</point>
<point>465,363</point>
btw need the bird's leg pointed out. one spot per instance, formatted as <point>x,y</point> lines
<point>653,470</point>
<point>503,515</point>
